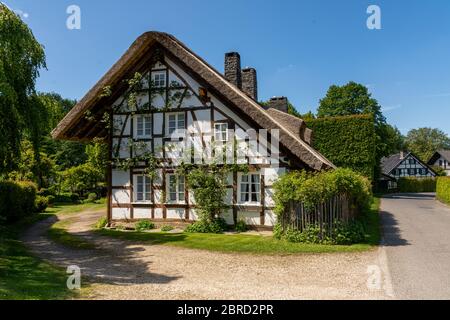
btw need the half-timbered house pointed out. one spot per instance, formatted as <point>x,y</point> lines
<point>441,159</point>
<point>403,164</point>
<point>161,94</point>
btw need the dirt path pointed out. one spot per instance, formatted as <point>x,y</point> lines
<point>128,270</point>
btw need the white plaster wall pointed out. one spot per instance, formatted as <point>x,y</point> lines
<point>158,119</point>
<point>272,174</point>
<point>175,214</point>
<point>142,213</point>
<point>124,151</point>
<point>120,178</point>
<point>268,198</point>
<point>193,215</point>
<point>120,196</point>
<point>119,122</point>
<point>158,196</point>
<point>251,218</point>
<point>120,213</point>
<point>270,218</point>
<point>158,213</point>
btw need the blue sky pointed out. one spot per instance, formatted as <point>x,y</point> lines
<point>299,48</point>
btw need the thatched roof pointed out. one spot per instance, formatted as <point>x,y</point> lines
<point>75,126</point>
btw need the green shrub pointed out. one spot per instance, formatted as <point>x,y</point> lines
<point>41,204</point>
<point>51,199</point>
<point>412,184</point>
<point>443,189</point>
<point>143,225</point>
<point>17,200</point>
<point>74,198</point>
<point>166,228</point>
<point>101,223</point>
<point>204,226</point>
<point>347,141</point>
<point>314,188</point>
<point>92,197</point>
<point>66,197</point>
<point>241,226</point>
<point>343,234</point>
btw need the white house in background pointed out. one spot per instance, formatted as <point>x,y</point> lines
<point>180,92</point>
<point>403,164</point>
<point>441,159</point>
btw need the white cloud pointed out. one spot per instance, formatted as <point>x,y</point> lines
<point>390,108</point>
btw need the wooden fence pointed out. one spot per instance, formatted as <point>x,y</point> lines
<point>325,215</point>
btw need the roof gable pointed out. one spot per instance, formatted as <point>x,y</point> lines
<point>388,164</point>
<point>138,53</point>
<point>438,154</point>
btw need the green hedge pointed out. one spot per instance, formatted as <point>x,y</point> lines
<point>411,184</point>
<point>347,141</point>
<point>314,188</point>
<point>17,200</point>
<point>443,189</point>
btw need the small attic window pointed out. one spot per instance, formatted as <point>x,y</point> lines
<point>159,79</point>
<point>203,93</point>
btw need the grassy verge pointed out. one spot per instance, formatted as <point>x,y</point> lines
<point>58,232</point>
<point>249,243</point>
<point>24,276</point>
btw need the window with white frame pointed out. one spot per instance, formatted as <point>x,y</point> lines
<point>159,79</point>
<point>142,188</point>
<point>176,185</point>
<point>143,126</point>
<point>250,188</point>
<point>176,121</point>
<point>221,132</point>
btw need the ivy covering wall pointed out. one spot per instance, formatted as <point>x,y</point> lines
<point>347,141</point>
<point>443,189</point>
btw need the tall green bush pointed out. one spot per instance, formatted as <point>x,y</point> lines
<point>314,188</point>
<point>443,189</point>
<point>412,184</point>
<point>17,200</point>
<point>347,141</point>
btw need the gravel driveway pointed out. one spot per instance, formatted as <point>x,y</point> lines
<point>128,270</point>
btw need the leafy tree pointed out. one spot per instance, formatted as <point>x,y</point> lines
<point>423,142</point>
<point>97,154</point>
<point>352,98</point>
<point>21,57</point>
<point>40,170</point>
<point>81,179</point>
<point>393,140</point>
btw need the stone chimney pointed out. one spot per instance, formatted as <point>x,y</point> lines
<point>279,103</point>
<point>402,155</point>
<point>233,68</point>
<point>250,83</point>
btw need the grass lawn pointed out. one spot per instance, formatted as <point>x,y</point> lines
<point>58,232</point>
<point>250,243</point>
<point>24,276</point>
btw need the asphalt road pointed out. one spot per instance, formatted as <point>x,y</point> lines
<point>416,238</point>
